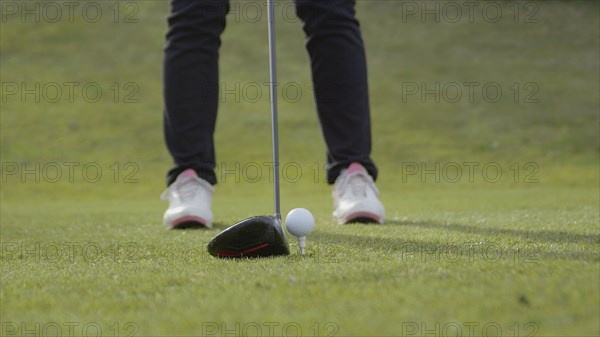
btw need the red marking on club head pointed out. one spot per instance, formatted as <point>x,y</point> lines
<point>225,253</point>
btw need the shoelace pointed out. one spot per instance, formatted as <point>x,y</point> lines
<point>358,183</point>
<point>187,188</point>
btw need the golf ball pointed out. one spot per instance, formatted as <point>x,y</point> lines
<point>299,222</point>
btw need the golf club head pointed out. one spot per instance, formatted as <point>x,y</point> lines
<point>259,236</point>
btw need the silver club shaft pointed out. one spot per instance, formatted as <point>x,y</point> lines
<point>273,94</point>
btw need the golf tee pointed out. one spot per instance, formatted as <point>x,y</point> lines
<point>302,244</point>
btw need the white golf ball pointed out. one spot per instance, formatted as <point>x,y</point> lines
<point>299,222</point>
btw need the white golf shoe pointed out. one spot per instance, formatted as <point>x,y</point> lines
<point>190,199</point>
<point>355,197</point>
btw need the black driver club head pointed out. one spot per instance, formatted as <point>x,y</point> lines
<point>259,236</point>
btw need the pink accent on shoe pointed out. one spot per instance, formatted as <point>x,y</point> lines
<point>355,167</point>
<point>368,215</point>
<point>189,218</point>
<point>188,173</point>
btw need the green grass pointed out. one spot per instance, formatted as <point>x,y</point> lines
<point>522,253</point>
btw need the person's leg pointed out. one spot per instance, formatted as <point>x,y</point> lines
<point>191,77</point>
<point>339,73</point>
<point>191,82</point>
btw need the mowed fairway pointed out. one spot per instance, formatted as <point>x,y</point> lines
<point>485,130</point>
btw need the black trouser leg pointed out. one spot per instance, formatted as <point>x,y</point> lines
<point>339,73</point>
<point>191,84</point>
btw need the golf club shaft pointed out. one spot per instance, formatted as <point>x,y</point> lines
<point>273,91</point>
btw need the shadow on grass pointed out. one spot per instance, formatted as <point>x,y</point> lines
<point>493,249</point>
<point>543,235</point>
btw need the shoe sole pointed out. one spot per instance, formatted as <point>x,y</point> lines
<point>190,222</point>
<point>362,217</point>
